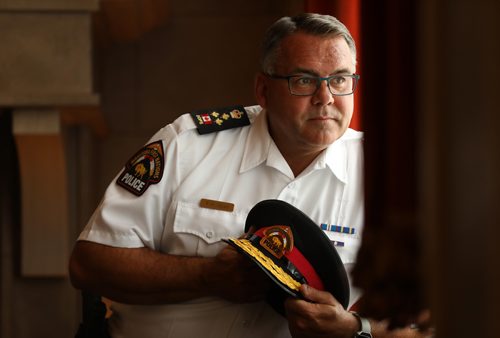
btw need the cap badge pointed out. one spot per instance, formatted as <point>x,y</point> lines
<point>278,240</point>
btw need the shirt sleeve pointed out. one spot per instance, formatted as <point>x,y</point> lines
<point>131,219</point>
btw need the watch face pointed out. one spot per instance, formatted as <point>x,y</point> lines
<point>362,334</point>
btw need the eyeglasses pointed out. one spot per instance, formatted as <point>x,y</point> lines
<point>306,85</point>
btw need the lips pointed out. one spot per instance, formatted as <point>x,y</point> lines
<point>323,118</point>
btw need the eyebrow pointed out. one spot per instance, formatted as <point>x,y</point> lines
<point>313,73</point>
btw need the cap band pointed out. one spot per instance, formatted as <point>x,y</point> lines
<point>305,268</point>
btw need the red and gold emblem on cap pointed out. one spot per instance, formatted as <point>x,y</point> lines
<point>278,240</point>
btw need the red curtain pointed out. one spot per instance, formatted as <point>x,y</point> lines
<point>347,11</point>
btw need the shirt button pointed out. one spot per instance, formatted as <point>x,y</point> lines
<point>209,234</point>
<point>291,185</point>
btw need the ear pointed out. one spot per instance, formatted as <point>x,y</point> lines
<point>260,88</point>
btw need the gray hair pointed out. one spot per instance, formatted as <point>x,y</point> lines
<point>310,23</point>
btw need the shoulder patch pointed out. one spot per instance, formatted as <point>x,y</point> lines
<point>143,169</point>
<point>212,120</point>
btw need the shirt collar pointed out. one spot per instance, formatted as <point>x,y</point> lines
<point>260,148</point>
<point>335,157</point>
<point>257,143</point>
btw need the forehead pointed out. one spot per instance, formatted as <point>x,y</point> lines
<point>320,54</point>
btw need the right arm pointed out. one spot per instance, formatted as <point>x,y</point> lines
<point>145,276</point>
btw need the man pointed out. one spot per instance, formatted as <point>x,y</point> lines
<point>154,245</point>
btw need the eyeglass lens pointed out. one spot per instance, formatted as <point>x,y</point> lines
<point>307,85</point>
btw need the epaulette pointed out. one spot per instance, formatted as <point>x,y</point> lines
<point>212,120</point>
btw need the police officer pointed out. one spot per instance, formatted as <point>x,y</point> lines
<point>154,244</point>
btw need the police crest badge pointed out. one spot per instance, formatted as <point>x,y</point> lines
<point>143,169</point>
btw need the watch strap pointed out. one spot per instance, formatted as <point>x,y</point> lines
<point>365,327</point>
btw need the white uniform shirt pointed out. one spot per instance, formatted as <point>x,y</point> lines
<point>242,166</point>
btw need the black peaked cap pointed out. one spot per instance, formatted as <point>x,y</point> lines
<point>309,239</point>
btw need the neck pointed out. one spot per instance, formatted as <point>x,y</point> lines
<point>299,161</point>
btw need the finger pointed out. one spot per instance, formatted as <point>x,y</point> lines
<point>250,231</point>
<point>424,319</point>
<point>309,300</point>
<point>317,296</point>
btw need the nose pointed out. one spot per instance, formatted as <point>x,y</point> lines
<point>323,96</point>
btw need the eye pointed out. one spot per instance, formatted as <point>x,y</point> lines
<point>305,81</point>
<point>338,80</point>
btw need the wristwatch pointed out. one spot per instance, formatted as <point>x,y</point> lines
<point>366,329</point>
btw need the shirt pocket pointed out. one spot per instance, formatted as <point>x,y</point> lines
<point>198,231</point>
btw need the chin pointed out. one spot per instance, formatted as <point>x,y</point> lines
<point>327,140</point>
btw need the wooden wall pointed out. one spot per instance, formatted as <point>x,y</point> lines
<point>143,82</point>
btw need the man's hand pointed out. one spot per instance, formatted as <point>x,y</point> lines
<point>320,315</point>
<point>234,277</point>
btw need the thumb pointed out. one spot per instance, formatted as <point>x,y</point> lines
<point>317,296</point>
<point>249,233</point>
